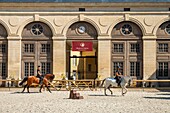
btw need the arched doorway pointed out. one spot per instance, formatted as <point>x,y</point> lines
<point>3,53</point>
<point>163,53</point>
<point>36,48</point>
<point>127,49</point>
<point>81,51</point>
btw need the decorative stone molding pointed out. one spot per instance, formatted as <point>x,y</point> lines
<point>13,37</point>
<point>148,21</point>
<point>36,17</point>
<point>126,17</point>
<point>81,17</point>
<point>58,21</point>
<point>13,21</point>
<point>103,21</point>
<point>149,37</point>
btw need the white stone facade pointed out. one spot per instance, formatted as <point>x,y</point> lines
<point>102,16</point>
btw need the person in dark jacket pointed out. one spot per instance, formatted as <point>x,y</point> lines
<point>118,75</point>
<point>39,75</point>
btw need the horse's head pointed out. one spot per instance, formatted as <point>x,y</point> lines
<point>49,77</point>
<point>128,79</point>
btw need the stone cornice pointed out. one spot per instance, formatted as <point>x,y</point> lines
<point>77,13</point>
<point>59,37</point>
<point>115,4</point>
<point>14,37</point>
<point>149,37</point>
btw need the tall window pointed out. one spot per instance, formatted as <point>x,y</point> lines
<point>163,47</point>
<point>135,47</point>
<point>134,68</point>
<point>29,68</point>
<point>115,65</point>
<point>3,69</point>
<point>45,67</point>
<point>118,48</point>
<point>162,69</point>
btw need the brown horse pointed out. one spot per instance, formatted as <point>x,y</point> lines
<point>34,79</point>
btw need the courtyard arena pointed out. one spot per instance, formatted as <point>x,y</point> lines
<point>135,101</point>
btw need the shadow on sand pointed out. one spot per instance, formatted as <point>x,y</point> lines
<point>101,95</point>
<point>163,98</point>
<point>24,92</point>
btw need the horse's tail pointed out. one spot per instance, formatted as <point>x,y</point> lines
<point>24,80</point>
<point>102,82</point>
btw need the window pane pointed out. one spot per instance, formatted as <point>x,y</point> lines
<point>29,68</point>
<point>135,47</point>
<point>163,47</point>
<point>45,48</point>
<point>134,68</point>
<point>3,48</point>
<point>26,69</point>
<point>163,69</point>
<point>118,48</point>
<point>45,67</point>
<point>29,48</point>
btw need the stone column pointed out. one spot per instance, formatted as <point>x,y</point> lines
<point>104,56</point>
<point>14,57</point>
<point>59,56</point>
<point>149,57</point>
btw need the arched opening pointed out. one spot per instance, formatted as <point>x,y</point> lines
<point>163,53</point>
<point>81,51</point>
<point>3,53</point>
<point>127,49</point>
<point>36,48</point>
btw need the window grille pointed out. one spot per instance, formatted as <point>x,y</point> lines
<point>163,47</point>
<point>37,29</point>
<point>134,68</point>
<point>162,69</point>
<point>126,29</point>
<point>45,48</point>
<point>135,48</point>
<point>29,68</point>
<point>45,67</point>
<point>118,48</point>
<point>28,48</point>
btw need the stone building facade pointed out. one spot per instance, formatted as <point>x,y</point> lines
<point>135,36</point>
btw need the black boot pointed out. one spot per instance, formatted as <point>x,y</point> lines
<point>118,84</point>
<point>41,81</point>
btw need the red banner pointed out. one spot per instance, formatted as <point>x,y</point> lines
<point>82,46</point>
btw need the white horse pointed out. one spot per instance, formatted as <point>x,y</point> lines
<point>111,82</point>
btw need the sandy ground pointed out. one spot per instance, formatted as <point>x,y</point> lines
<point>135,101</point>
